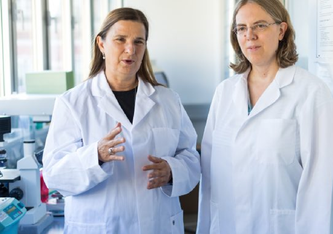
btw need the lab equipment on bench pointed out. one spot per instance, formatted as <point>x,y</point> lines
<point>5,127</point>
<point>11,212</point>
<point>23,182</point>
<point>24,185</point>
<point>36,218</point>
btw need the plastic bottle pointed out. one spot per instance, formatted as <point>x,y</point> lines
<point>44,191</point>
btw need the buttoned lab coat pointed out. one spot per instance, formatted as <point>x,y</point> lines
<point>269,171</point>
<point>113,198</point>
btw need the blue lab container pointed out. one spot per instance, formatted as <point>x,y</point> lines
<point>11,212</point>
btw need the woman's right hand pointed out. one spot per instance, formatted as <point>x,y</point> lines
<point>107,146</point>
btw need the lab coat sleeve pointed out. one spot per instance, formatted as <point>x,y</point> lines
<point>69,166</point>
<point>185,165</point>
<point>314,198</point>
<point>203,226</point>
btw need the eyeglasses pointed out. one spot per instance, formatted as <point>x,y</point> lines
<point>240,30</point>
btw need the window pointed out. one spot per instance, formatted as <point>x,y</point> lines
<point>78,39</point>
<point>82,39</point>
<point>22,41</point>
<point>7,48</point>
<point>100,9</point>
<point>41,35</point>
<point>54,35</point>
<point>2,83</point>
<point>99,13</point>
<point>230,54</point>
<point>59,35</point>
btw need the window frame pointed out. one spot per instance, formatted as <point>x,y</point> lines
<point>6,43</point>
<point>8,66</point>
<point>1,57</point>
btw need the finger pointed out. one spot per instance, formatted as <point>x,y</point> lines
<point>113,157</point>
<point>114,132</point>
<point>157,173</point>
<point>117,149</point>
<point>156,183</point>
<point>151,185</point>
<point>117,141</point>
<point>116,158</point>
<point>156,163</point>
<point>155,166</point>
<point>154,159</point>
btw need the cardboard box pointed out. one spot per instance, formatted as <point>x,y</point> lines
<point>49,82</point>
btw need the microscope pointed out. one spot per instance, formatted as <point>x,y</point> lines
<point>23,183</point>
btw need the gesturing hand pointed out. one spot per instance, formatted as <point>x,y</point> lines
<point>107,146</point>
<point>161,172</point>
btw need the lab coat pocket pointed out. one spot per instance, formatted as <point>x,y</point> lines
<point>276,141</point>
<point>166,141</point>
<point>282,221</point>
<point>215,218</point>
<point>177,223</point>
<point>82,228</point>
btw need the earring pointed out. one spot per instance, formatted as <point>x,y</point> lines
<point>103,55</point>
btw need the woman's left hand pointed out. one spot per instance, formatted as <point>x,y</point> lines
<point>161,172</point>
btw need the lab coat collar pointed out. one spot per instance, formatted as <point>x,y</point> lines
<point>143,102</point>
<point>100,86</point>
<point>283,78</point>
<point>108,102</point>
<point>241,94</point>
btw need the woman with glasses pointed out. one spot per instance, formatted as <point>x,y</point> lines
<point>267,150</point>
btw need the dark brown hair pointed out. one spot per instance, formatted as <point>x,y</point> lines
<point>98,63</point>
<point>286,54</point>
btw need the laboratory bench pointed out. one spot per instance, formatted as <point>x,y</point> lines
<point>189,203</point>
<point>56,227</point>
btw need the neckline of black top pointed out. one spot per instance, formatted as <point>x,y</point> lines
<point>126,100</point>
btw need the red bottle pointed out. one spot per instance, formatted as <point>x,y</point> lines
<point>44,191</point>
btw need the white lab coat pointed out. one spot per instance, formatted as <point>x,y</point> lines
<point>113,198</point>
<point>269,172</point>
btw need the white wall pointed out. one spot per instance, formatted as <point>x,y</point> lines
<point>321,40</point>
<point>299,14</point>
<point>186,42</point>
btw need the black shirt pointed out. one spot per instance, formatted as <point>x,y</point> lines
<point>126,100</point>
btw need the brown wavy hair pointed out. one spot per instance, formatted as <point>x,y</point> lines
<point>286,54</point>
<point>98,63</point>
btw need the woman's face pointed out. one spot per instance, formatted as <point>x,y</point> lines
<point>124,47</point>
<point>259,45</point>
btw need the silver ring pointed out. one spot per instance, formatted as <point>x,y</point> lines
<point>110,150</point>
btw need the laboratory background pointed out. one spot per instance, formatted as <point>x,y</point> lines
<point>46,48</point>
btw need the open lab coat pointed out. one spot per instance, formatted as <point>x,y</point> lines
<point>113,198</point>
<point>270,171</point>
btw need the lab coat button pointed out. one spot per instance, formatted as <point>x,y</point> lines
<point>173,222</point>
